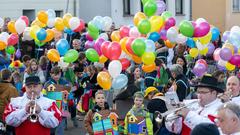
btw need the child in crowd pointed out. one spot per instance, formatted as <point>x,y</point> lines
<point>137,120</point>
<point>43,62</point>
<point>17,80</point>
<point>101,119</point>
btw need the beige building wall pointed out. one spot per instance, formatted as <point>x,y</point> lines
<point>231,17</point>
<point>211,10</point>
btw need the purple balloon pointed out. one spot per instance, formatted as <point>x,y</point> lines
<point>201,29</point>
<point>199,69</point>
<point>211,48</point>
<point>161,7</point>
<point>89,44</point>
<point>97,45</point>
<point>88,37</point>
<point>170,23</point>
<point>225,36</point>
<point>163,34</point>
<point>235,60</point>
<point>18,53</point>
<point>225,54</point>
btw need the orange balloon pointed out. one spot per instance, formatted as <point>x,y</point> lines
<point>50,35</point>
<point>42,16</point>
<point>38,23</point>
<point>53,55</point>
<point>102,59</point>
<point>138,17</point>
<point>59,25</point>
<point>115,36</point>
<point>137,59</point>
<point>11,27</point>
<point>3,45</point>
<point>104,80</point>
<point>149,68</point>
<point>168,44</point>
<point>123,43</point>
<point>66,19</point>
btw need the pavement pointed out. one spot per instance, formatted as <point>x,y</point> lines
<point>71,130</point>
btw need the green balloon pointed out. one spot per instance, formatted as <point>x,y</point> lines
<point>38,43</point>
<point>94,35</point>
<point>186,28</point>
<point>165,15</point>
<point>145,1</point>
<point>10,50</point>
<point>138,47</point>
<point>92,55</point>
<point>144,26</point>
<point>92,27</point>
<point>70,56</point>
<point>150,8</point>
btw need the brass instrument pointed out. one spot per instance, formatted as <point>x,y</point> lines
<point>33,117</point>
<point>160,116</point>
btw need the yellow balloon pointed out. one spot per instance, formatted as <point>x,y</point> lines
<point>230,67</point>
<point>59,25</point>
<point>66,19</point>
<point>38,23</point>
<point>33,31</point>
<point>203,51</point>
<point>11,27</point>
<point>156,23</point>
<point>138,17</point>
<point>148,58</point>
<point>206,39</point>
<point>193,52</point>
<point>115,36</point>
<point>50,35</point>
<point>102,59</point>
<point>123,42</point>
<point>2,45</point>
<point>42,16</point>
<point>104,80</point>
<point>53,55</point>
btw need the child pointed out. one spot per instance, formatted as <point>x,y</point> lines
<point>137,120</point>
<point>101,119</point>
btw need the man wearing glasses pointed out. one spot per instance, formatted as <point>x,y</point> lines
<point>208,104</point>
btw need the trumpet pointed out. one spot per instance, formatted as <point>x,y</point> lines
<point>33,117</point>
<point>159,117</point>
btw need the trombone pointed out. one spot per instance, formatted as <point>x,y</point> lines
<point>33,117</point>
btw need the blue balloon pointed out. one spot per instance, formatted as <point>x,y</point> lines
<point>234,38</point>
<point>119,82</point>
<point>62,46</point>
<point>150,46</point>
<point>154,36</point>
<point>190,43</point>
<point>68,31</point>
<point>41,34</point>
<point>215,33</point>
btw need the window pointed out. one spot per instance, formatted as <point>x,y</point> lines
<point>236,5</point>
<point>126,7</point>
<point>59,13</point>
<point>30,13</point>
<point>179,7</point>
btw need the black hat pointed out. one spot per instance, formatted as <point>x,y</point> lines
<point>205,129</point>
<point>209,82</point>
<point>32,80</point>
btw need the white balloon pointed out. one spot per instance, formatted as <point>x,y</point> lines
<point>51,22</point>
<point>200,20</point>
<point>235,29</point>
<point>115,68</point>
<point>172,34</point>
<point>62,64</point>
<point>1,22</point>
<point>150,46</point>
<point>134,32</point>
<point>99,22</point>
<point>107,23</point>
<point>51,13</point>
<point>104,36</point>
<point>4,37</point>
<point>181,39</point>
<point>74,22</point>
<point>26,34</point>
<point>20,25</point>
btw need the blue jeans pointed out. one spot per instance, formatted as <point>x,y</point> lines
<point>61,126</point>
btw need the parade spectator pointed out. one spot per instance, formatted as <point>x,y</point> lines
<point>17,112</point>
<point>43,62</point>
<point>17,80</point>
<point>220,76</point>
<point>26,60</point>
<point>205,129</point>
<point>76,44</point>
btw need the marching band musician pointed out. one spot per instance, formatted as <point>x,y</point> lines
<point>18,111</point>
<point>207,92</point>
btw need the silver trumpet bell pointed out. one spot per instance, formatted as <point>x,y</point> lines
<point>33,117</point>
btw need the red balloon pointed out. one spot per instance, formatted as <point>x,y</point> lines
<point>124,31</point>
<point>125,63</point>
<point>25,19</point>
<point>235,60</point>
<point>104,48</point>
<point>80,27</point>
<point>129,44</point>
<point>114,51</point>
<point>13,39</point>
<point>202,61</point>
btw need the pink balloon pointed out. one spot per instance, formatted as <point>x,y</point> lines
<point>13,39</point>
<point>124,31</point>
<point>199,69</point>
<point>114,51</point>
<point>235,60</point>
<point>170,23</point>
<point>25,19</point>
<point>89,44</point>
<point>97,45</point>
<point>134,32</point>
<point>216,53</point>
<point>104,48</point>
<point>88,37</point>
<point>202,61</point>
<point>201,29</point>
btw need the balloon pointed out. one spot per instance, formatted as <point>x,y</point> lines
<point>51,13</point>
<point>134,32</point>
<point>215,33</point>
<point>190,43</point>
<point>201,29</point>
<point>138,17</point>
<point>136,59</point>
<point>26,34</point>
<point>154,36</point>
<point>165,15</point>
<point>211,48</point>
<point>1,22</point>
<point>92,55</point>
<point>125,63</point>
<point>124,31</point>
<point>104,48</point>
<point>216,54</point>
<point>104,80</point>
<point>123,43</point>
<point>50,35</point>
<point>80,27</point>
<point>203,51</point>
<point>51,22</point>
<point>66,20</point>
<point>102,59</point>
<point>115,36</point>
<point>18,53</point>
<point>148,58</point>
<point>74,22</point>
<point>114,68</point>
<point>119,82</point>
<point>12,39</point>
<point>97,45</point>
<point>235,29</point>
<point>172,34</point>
<point>225,54</point>
<point>170,22</point>
<point>62,64</point>
<point>199,69</point>
<point>39,43</point>
<point>168,44</point>
<point>104,36</point>
<point>150,46</point>
<point>206,39</point>
<point>41,34</point>
<point>200,20</point>
<point>186,28</point>
<point>161,7</point>
<point>10,50</point>
<point>235,60</point>
<point>163,34</point>
<point>20,25</point>
<point>42,17</point>
<point>181,39</point>
<point>138,46</point>
<point>225,36</point>
<point>92,27</point>
<point>59,25</point>
<point>53,55</point>
<point>129,45</point>
<point>149,68</point>
<point>222,63</point>
<point>4,37</point>
<point>202,61</point>
<point>144,26</point>
<point>230,67</point>
<point>62,46</point>
<point>156,23</point>
<point>11,27</point>
<point>229,46</point>
<point>71,56</point>
<point>193,52</point>
<point>38,23</point>
<point>2,45</point>
<point>234,38</point>
<point>114,51</point>
<point>94,35</point>
<point>108,22</point>
<point>99,22</point>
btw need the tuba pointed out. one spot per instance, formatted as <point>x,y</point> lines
<point>33,117</point>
